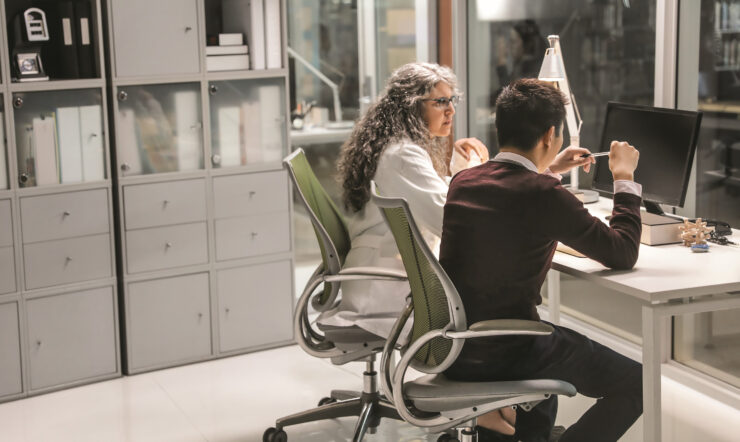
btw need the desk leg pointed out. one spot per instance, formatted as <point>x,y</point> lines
<point>651,360</point>
<point>553,295</point>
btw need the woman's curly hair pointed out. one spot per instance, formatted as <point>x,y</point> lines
<point>397,115</point>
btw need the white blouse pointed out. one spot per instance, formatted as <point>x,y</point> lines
<point>404,170</point>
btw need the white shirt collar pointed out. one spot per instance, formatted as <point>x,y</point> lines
<point>516,158</point>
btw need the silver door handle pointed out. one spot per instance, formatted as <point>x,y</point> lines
<point>65,214</point>
<point>167,245</point>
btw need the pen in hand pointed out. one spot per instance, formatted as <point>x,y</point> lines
<point>598,154</point>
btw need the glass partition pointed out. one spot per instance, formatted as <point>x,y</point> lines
<point>608,49</point>
<point>59,137</point>
<point>709,342</point>
<point>247,121</point>
<point>609,54</point>
<point>159,128</point>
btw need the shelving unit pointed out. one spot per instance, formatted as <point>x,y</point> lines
<point>204,233</point>
<point>58,308</point>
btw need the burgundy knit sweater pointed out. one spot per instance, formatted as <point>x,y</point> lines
<point>501,225</point>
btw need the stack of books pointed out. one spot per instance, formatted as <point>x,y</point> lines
<point>231,54</point>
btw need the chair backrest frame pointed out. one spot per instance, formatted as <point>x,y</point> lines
<point>458,321</point>
<point>332,259</point>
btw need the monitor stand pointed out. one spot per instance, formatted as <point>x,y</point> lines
<point>586,196</point>
<point>654,208</point>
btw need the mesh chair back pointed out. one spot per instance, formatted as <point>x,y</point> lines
<point>328,222</point>
<point>435,300</point>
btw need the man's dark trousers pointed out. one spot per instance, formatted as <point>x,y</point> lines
<point>595,370</point>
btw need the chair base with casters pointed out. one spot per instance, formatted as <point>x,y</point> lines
<point>339,344</point>
<point>368,405</point>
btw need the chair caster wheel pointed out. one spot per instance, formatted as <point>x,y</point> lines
<point>447,438</point>
<point>326,400</point>
<point>272,434</point>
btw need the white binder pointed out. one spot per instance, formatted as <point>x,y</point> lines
<point>91,138</point>
<point>273,35</point>
<point>70,149</point>
<point>272,122</point>
<point>129,148</point>
<point>228,136</point>
<point>187,125</point>
<point>45,150</point>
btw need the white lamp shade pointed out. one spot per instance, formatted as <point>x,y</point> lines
<point>552,69</point>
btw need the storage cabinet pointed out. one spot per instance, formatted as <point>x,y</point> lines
<point>58,307</point>
<point>201,188</point>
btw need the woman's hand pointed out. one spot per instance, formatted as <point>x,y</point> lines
<point>569,158</point>
<point>465,145</point>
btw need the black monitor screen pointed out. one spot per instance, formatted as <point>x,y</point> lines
<point>666,139</point>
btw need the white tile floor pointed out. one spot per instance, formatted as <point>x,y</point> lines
<point>235,399</point>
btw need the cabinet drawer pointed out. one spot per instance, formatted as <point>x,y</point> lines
<point>252,235</point>
<point>255,305</point>
<point>71,337</point>
<point>169,321</point>
<point>64,215</point>
<point>68,260</point>
<point>178,202</point>
<point>165,247</point>
<point>7,270</point>
<point>240,195</point>
<point>6,224</point>
<point>10,350</point>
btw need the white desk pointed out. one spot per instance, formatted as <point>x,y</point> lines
<point>670,280</point>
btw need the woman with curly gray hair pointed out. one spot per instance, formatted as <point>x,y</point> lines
<point>401,143</point>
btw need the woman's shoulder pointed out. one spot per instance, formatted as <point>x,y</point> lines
<point>403,149</point>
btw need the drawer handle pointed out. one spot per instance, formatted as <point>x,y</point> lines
<point>188,29</point>
<point>165,203</point>
<point>200,316</point>
<point>38,344</point>
<point>227,310</point>
<point>252,193</point>
<point>67,260</point>
<point>65,214</point>
<point>254,234</point>
<point>167,245</point>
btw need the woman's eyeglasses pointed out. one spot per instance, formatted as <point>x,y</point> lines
<point>443,102</point>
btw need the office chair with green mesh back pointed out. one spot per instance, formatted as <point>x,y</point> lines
<point>340,344</point>
<point>438,333</point>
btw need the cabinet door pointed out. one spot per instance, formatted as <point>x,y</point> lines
<point>255,305</point>
<point>155,37</point>
<point>64,215</point>
<point>10,350</point>
<point>7,270</point>
<point>247,194</point>
<point>169,321</point>
<point>71,337</point>
<point>161,204</point>
<point>166,247</point>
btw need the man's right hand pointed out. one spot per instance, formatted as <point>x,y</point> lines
<point>623,160</point>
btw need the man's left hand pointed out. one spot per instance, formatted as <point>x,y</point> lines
<point>569,158</point>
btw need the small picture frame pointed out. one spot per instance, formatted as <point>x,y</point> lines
<point>28,66</point>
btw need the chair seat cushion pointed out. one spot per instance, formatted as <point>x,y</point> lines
<point>436,393</point>
<point>348,335</point>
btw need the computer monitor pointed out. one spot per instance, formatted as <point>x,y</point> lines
<point>666,139</point>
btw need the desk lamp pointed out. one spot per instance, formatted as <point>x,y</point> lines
<point>553,69</point>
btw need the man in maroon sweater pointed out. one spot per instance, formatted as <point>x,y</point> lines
<point>502,221</point>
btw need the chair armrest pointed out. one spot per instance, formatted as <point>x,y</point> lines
<point>358,273</point>
<point>501,327</point>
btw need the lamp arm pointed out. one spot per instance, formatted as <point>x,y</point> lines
<point>333,86</point>
<point>572,115</point>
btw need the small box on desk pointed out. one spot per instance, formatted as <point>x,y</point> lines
<point>658,230</point>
